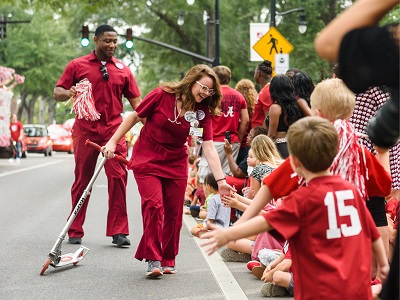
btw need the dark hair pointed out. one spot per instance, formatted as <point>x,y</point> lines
<point>210,180</point>
<point>336,70</point>
<point>259,130</point>
<point>282,93</point>
<point>303,86</point>
<point>265,67</point>
<point>294,70</point>
<point>103,28</point>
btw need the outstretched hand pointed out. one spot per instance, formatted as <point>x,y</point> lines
<point>214,239</point>
<point>225,189</point>
<point>229,201</point>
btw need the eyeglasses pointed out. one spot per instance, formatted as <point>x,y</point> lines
<point>205,89</point>
<point>104,72</point>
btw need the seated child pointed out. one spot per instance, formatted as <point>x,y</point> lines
<point>198,200</point>
<point>217,213</point>
<point>268,158</point>
<point>333,219</point>
<point>278,275</point>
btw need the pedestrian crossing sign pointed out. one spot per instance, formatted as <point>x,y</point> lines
<point>273,42</point>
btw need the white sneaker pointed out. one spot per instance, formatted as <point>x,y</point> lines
<point>11,161</point>
<point>18,160</point>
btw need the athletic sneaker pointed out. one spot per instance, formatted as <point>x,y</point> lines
<point>121,240</point>
<point>154,270</point>
<point>253,263</point>
<point>234,256</point>
<point>272,290</point>
<point>75,240</point>
<point>169,270</point>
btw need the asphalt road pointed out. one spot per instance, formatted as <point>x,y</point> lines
<point>34,206</point>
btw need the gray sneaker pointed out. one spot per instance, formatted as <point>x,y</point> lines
<point>154,270</point>
<point>272,290</point>
<point>232,255</point>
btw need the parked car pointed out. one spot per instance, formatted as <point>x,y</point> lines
<point>38,139</point>
<point>69,124</point>
<point>61,138</point>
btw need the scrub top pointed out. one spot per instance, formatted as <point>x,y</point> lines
<point>161,147</point>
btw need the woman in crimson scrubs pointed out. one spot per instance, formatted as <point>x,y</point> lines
<point>159,160</point>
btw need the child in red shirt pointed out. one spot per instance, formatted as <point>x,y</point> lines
<point>327,217</point>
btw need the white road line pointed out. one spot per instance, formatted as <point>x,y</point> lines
<point>31,168</point>
<point>222,274</point>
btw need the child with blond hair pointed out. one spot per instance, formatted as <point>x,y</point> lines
<point>332,100</point>
<point>323,229</point>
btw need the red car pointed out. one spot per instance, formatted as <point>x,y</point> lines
<point>61,138</point>
<point>38,139</point>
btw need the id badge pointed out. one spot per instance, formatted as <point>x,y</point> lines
<point>196,131</point>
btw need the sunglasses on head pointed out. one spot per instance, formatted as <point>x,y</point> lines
<point>104,72</point>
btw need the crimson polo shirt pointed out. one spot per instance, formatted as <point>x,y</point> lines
<point>107,94</point>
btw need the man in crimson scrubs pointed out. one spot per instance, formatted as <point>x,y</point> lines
<point>110,80</point>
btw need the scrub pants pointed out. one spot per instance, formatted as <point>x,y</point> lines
<point>162,213</point>
<point>117,175</point>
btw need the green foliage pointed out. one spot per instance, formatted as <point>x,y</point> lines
<point>40,50</point>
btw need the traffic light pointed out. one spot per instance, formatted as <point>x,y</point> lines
<point>129,39</point>
<point>3,28</point>
<point>85,36</point>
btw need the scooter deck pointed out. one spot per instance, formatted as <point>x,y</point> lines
<point>72,258</point>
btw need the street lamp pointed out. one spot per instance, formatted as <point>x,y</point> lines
<point>302,24</point>
<point>181,20</point>
<point>216,30</point>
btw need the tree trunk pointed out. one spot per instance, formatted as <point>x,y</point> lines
<point>31,108</point>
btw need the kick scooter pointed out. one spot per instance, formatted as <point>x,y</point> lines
<point>55,259</point>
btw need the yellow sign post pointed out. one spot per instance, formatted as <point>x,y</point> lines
<point>273,42</point>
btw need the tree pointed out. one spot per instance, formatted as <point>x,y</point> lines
<point>39,54</point>
<point>157,20</point>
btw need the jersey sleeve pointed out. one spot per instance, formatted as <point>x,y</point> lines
<point>243,103</point>
<point>285,219</point>
<point>281,182</point>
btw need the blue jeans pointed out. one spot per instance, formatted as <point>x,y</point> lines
<point>18,146</point>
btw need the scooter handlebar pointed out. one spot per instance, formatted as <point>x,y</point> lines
<point>98,148</point>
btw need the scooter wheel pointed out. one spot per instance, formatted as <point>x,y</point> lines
<point>45,265</point>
